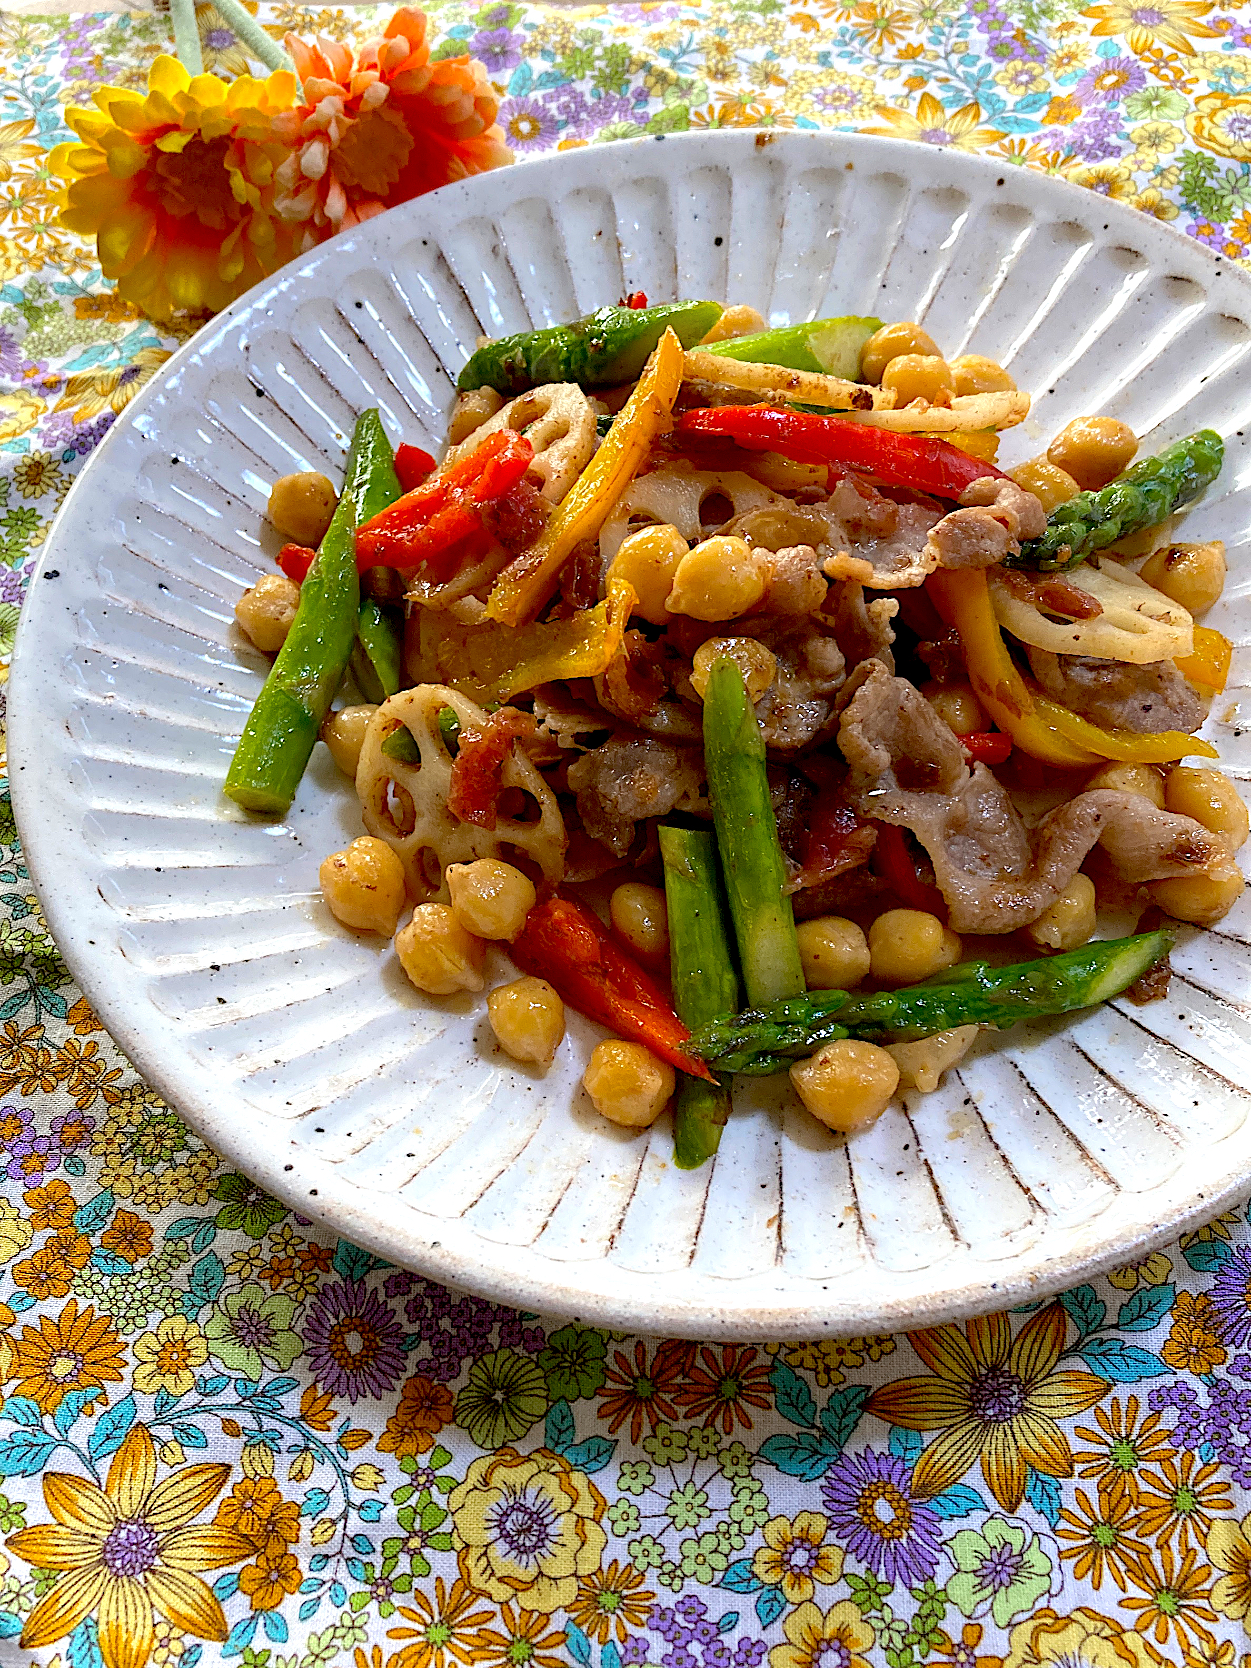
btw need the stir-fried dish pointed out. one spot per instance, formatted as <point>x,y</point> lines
<point>719,677</point>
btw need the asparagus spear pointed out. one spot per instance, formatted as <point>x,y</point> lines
<point>768,1041</point>
<point>282,727</point>
<point>378,657</point>
<point>704,981</point>
<point>607,347</point>
<point>1147,493</point>
<point>830,346</point>
<point>747,840</point>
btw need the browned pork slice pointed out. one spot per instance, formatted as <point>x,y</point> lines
<point>1118,695</point>
<point>907,768</point>
<point>995,515</point>
<point>628,779</point>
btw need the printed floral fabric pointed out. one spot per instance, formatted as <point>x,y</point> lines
<point>227,1438</point>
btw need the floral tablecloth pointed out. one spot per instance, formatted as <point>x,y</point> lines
<point>229,1438</point>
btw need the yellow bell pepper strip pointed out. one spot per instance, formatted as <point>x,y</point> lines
<point>526,583</point>
<point>1209,663</point>
<point>962,597</point>
<point>1039,726</point>
<point>490,662</point>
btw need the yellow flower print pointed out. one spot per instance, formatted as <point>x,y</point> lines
<point>932,125</point>
<point>1175,1596</point>
<point>1020,77</point>
<point>1098,1535</point>
<point>1153,142</point>
<point>1122,1443</point>
<point>528,1528</point>
<point>167,1358</point>
<point>612,1600</point>
<point>1229,1549</point>
<point>993,1398</point>
<point>16,1232</point>
<point>445,1627</point>
<point>1181,1501</point>
<point>1082,1639</point>
<point>219,45</point>
<point>1153,201</point>
<point>840,1635</point>
<point>1192,1345</point>
<point>1109,179</point>
<point>1067,58</point>
<point>1221,122</point>
<point>793,1557</point>
<point>1155,22</point>
<point>19,411</point>
<point>880,25</point>
<point>125,1549</point>
<point>15,147</point>
<point>89,393</point>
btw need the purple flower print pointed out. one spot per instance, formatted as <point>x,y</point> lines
<point>498,49</point>
<point>528,125</point>
<point>354,1341</point>
<point>875,1516</point>
<point>1230,1293</point>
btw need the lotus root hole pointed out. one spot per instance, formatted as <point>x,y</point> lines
<point>517,805</point>
<point>394,806</point>
<point>715,510</point>
<point>430,866</point>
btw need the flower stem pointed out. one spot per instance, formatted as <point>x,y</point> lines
<point>249,31</point>
<point>187,36</point>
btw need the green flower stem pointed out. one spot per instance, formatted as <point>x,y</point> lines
<point>258,43</point>
<point>186,36</point>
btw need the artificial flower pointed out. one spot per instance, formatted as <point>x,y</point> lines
<point>177,187</point>
<point>380,128</point>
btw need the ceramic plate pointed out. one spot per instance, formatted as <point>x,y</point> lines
<point>300,1052</point>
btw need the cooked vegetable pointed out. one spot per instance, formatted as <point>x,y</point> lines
<point>973,994</point>
<point>1128,619</point>
<point>378,658</point>
<point>1147,493</point>
<point>412,466</point>
<point>1038,726</point>
<point>777,382</point>
<point>901,460</point>
<point>295,560</point>
<point>282,727</point>
<point>1209,663</point>
<point>895,862</point>
<point>525,584</point>
<point>705,984</point>
<point>569,946</point>
<point>609,346</point>
<point>990,747</point>
<point>747,839</point>
<point>830,346</point>
<point>439,523</point>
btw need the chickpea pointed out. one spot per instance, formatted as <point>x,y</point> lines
<point>627,1083</point>
<point>265,611</point>
<point>436,952</point>
<point>1093,450</point>
<point>735,321</point>
<point>758,664</point>
<point>919,376</point>
<point>528,1019</point>
<point>471,410</point>
<point>1192,575</point>
<point>301,505</point>
<point>1131,778</point>
<point>639,915</point>
<point>1211,799</point>
<point>1203,899</point>
<point>906,945</point>
<point>1070,920</point>
<point>975,374</point>
<point>490,899</point>
<point>834,953</point>
<point>344,734</point>
<point>364,886</point>
<point>648,560</point>
<point>1050,485</point>
<point>846,1084</point>
<point>957,706</point>
<point>719,580</point>
<point>888,343</point>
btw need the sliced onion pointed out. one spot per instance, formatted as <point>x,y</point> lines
<point>1137,623</point>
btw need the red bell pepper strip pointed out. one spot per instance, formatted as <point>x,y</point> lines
<point>894,862</point>
<point>901,460</point>
<point>989,747</point>
<point>412,466</point>
<point>636,299</point>
<point>569,946</point>
<point>440,521</point>
<point>295,560</point>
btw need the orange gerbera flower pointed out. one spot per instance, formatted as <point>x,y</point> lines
<point>126,1548</point>
<point>382,128</point>
<point>992,1398</point>
<point>177,187</point>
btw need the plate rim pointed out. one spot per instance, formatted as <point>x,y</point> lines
<point>338,1205</point>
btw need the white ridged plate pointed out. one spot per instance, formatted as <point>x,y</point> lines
<point>300,1051</point>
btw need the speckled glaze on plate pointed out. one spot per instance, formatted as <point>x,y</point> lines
<point>301,1052</point>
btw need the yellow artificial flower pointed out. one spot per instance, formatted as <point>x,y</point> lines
<point>126,1548</point>
<point>1229,1549</point>
<point>991,1397</point>
<point>1221,122</point>
<point>178,188</point>
<point>1164,23</point>
<point>932,125</point>
<point>167,1358</point>
<point>793,1557</point>
<point>841,1634</point>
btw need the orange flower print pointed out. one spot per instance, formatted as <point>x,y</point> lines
<point>274,1574</point>
<point>256,1509</point>
<point>43,1274</point>
<point>1099,1537</point>
<point>424,1408</point>
<point>1192,1345</point>
<point>1173,1596</point>
<point>1126,1438</point>
<point>80,1350</point>
<point>719,1391</point>
<point>611,1599</point>
<point>1181,1499</point>
<point>128,1236</point>
<point>50,1206</point>
<point>992,1398</point>
<point>638,1391</point>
